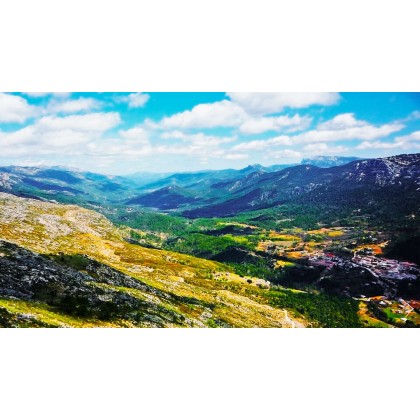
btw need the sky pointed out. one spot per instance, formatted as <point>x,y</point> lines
<point>124,133</point>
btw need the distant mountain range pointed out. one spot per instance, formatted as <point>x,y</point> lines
<point>328,161</point>
<point>73,186</point>
<point>65,185</point>
<point>385,181</point>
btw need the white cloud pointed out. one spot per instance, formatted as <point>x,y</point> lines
<point>136,136</point>
<point>228,114</point>
<point>340,128</point>
<point>197,138</point>
<point>415,115</point>
<point>235,156</point>
<point>410,141</point>
<point>14,108</point>
<point>94,122</point>
<point>316,147</point>
<point>415,136</point>
<point>323,148</point>
<point>135,143</point>
<point>340,122</point>
<point>264,144</point>
<point>216,114</point>
<point>263,124</point>
<point>379,145</point>
<point>346,127</point>
<point>51,134</point>
<point>43,94</point>
<point>271,102</point>
<point>286,153</point>
<point>73,106</point>
<point>137,100</point>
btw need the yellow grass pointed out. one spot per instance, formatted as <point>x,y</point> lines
<point>377,250</point>
<point>49,316</point>
<point>283,237</point>
<point>335,233</point>
<point>281,264</point>
<point>49,228</point>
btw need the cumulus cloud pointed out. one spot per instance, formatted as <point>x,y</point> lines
<point>53,134</point>
<point>241,112</point>
<point>366,145</point>
<point>73,106</point>
<point>15,109</point>
<point>323,148</point>
<point>343,127</point>
<point>228,114</point>
<point>271,102</point>
<point>136,134</point>
<point>197,138</point>
<point>409,141</point>
<point>347,127</point>
<point>415,136</point>
<point>235,156</point>
<point>217,114</point>
<point>135,143</point>
<point>287,154</point>
<point>264,144</point>
<point>94,122</point>
<point>340,122</point>
<point>263,124</point>
<point>137,100</point>
<point>43,94</point>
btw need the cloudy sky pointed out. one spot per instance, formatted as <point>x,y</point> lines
<point>121,133</point>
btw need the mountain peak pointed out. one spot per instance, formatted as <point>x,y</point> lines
<point>328,161</point>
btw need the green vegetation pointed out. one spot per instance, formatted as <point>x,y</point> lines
<point>326,310</point>
<point>405,247</point>
<point>78,262</point>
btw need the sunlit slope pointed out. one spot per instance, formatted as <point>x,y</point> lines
<point>194,291</point>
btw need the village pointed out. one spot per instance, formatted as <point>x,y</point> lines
<point>379,267</point>
<point>338,247</point>
<point>339,250</point>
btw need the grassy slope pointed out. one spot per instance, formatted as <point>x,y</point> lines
<point>49,228</point>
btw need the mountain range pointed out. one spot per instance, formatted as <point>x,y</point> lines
<point>363,182</point>
<point>79,187</point>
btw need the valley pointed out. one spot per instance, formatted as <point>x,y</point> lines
<point>335,245</point>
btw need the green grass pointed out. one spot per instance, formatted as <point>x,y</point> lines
<point>392,315</point>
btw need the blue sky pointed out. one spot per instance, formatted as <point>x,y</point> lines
<point>121,133</point>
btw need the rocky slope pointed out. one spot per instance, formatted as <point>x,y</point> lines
<point>62,265</point>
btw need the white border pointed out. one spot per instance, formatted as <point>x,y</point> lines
<point>189,45</point>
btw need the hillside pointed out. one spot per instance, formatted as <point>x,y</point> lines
<point>62,265</point>
<point>65,185</point>
<point>364,184</point>
<point>328,161</point>
<point>182,190</point>
<point>165,198</point>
